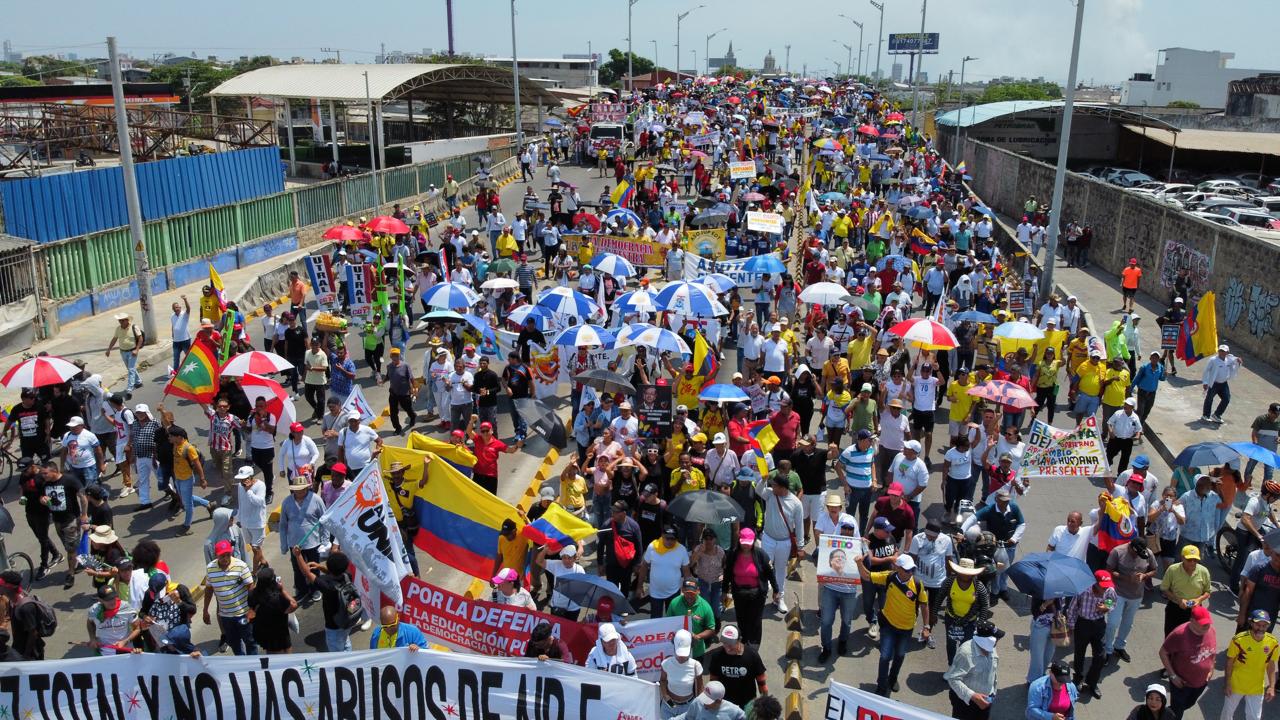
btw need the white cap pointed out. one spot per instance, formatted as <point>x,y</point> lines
<point>142,408</point>
<point>684,643</point>
<point>75,420</point>
<point>712,693</point>
<point>1131,401</point>
<point>121,316</point>
<point>912,445</point>
<point>775,328</point>
<point>730,633</point>
<point>986,642</point>
<point>1223,348</point>
<point>905,562</point>
<point>354,415</point>
<point>245,472</point>
<point>1179,300</point>
<point>608,632</point>
<point>719,439</point>
<point>569,551</point>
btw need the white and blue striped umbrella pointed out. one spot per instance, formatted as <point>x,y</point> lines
<point>613,264</point>
<point>585,336</point>
<point>623,216</point>
<point>688,298</point>
<point>636,301</point>
<point>449,295</point>
<point>723,392</point>
<point>541,316</point>
<point>568,301</point>
<point>764,264</point>
<point>720,282</point>
<point>657,339</point>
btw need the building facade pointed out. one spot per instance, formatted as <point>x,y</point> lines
<point>1198,76</point>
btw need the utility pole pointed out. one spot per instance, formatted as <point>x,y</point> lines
<point>849,62</point>
<point>142,268</point>
<point>788,63</point>
<point>515,75</point>
<point>706,51</point>
<point>448,19</point>
<point>336,51</point>
<point>850,65</point>
<point>959,153</point>
<point>655,60</point>
<point>382,53</point>
<point>1064,143</point>
<point>915,86</point>
<point>679,19</point>
<point>631,83</point>
<point>373,161</point>
<point>879,36</point>
<point>591,72</point>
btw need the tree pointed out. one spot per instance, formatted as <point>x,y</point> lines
<point>204,77</point>
<point>613,71</point>
<point>41,67</point>
<point>1023,90</point>
<point>1188,104</point>
<point>11,81</point>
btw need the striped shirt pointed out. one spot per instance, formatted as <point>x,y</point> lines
<point>857,466</point>
<point>221,431</point>
<point>230,587</point>
<point>525,275</point>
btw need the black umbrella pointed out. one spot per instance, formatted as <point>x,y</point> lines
<point>587,590</point>
<point>543,419</point>
<point>704,203</point>
<point>705,506</point>
<point>771,190</point>
<point>708,218</point>
<point>606,381</point>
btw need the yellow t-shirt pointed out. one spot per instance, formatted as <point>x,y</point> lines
<point>837,368</point>
<point>793,343</point>
<point>1090,377</point>
<point>573,492</point>
<point>1048,376</point>
<point>1077,352</point>
<point>513,552</point>
<point>687,390</point>
<point>901,600</point>
<point>696,481</point>
<point>960,399</point>
<point>185,457</point>
<point>860,352</point>
<point>962,599</point>
<point>1249,676</point>
<point>675,444</point>
<point>1116,390</point>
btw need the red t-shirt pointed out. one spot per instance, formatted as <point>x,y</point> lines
<point>1191,655</point>
<point>738,428</point>
<point>487,455</point>
<point>1130,277</point>
<point>787,427</point>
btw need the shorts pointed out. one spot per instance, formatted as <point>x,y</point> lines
<point>253,536</point>
<point>921,422</point>
<point>813,505</point>
<point>1128,293</point>
<point>69,534</point>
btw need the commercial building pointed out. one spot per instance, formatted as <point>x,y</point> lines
<point>569,71</point>
<point>1198,76</point>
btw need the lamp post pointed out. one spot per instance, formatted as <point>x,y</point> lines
<point>915,86</point>
<point>133,205</point>
<point>631,83</point>
<point>879,37</point>
<point>859,24</point>
<point>679,19</point>
<point>706,51</point>
<point>655,59</point>
<point>837,64</point>
<point>849,48</point>
<point>515,81</point>
<point>958,154</point>
<point>1060,172</point>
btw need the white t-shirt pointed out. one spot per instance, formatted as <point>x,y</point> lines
<point>774,354</point>
<point>179,324</point>
<point>893,431</point>
<point>519,598</point>
<point>910,474</point>
<point>80,455</point>
<point>681,675</point>
<point>357,446</point>
<point>819,349</point>
<point>925,391</point>
<point>665,570</point>
<point>458,392</point>
<point>961,463</point>
<point>931,558</point>
<point>1064,543</point>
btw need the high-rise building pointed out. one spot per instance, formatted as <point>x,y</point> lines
<point>897,72</point>
<point>922,77</point>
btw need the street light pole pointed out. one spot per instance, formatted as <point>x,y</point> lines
<point>849,48</point>
<point>141,266</point>
<point>655,59</point>
<point>850,66</point>
<point>879,36</point>
<point>631,83</point>
<point>706,51</point>
<point>958,154</point>
<point>515,77</point>
<point>373,162</point>
<point>1064,143</point>
<point>915,86</point>
<point>679,19</point>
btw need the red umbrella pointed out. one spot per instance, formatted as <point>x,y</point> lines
<point>1004,393</point>
<point>278,403</point>
<point>387,224</point>
<point>753,197</point>
<point>343,233</point>
<point>926,332</point>
<point>588,218</point>
<point>39,372</point>
<point>893,116</point>
<point>868,130</point>
<point>733,100</point>
<point>257,362</point>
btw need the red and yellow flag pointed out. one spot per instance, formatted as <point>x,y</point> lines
<point>196,378</point>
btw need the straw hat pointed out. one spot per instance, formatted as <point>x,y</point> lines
<point>964,567</point>
<point>103,535</point>
<point>300,482</point>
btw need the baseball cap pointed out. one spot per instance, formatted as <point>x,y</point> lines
<point>338,468</point>
<point>1060,671</point>
<point>1259,616</point>
<point>506,575</point>
<point>684,643</point>
<point>1201,615</point>
<point>75,421</point>
<point>1133,402</point>
<point>712,693</point>
<point>1103,579</point>
<point>911,445</point>
<point>882,523</point>
<point>864,434</point>
<point>223,547</point>
<point>867,387</point>
<point>746,536</point>
<point>607,631</point>
<point>142,408</point>
<point>353,415</point>
<point>245,472</point>
<point>569,550</point>
<point>729,634</point>
<point>296,427</point>
<point>905,562</point>
<point>682,408</point>
<point>986,642</point>
<point>547,493</point>
<point>719,439</point>
<point>1191,552</point>
<point>670,531</point>
<point>894,490</point>
<point>1223,348</point>
<point>1142,461</point>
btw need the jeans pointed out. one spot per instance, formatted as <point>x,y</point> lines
<point>337,640</point>
<point>1119,623</point>
<point>301,311</point>
<point>238,633</point>
<point>894,643</point>
<point>1182,699</point>
<point>1222,390</point>
<point>130,359</point>
<point>860,504</point>
<point>1041,650</point>
<point>144,468</point>
<point>762,315</point>
<point>180,348</point>
<point>1000,577</point>
<point>178,639</point>
<point>658,606</point>
<point>712,592</point>
<point>779,552</point>
<point>828,602</point>
<point>88,476</point>
<point>187,491</point>
<point>872,594</point>
<point>520,426</point>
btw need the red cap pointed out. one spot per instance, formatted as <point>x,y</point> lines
<point>1201,615</point>
<point>459,434</point>
<point>1104,579</point>
<point>1133,261</point>
<point>688,367</point>
<point>338,467</point>
<point>894,490</point>
<point>222,547</point>
<point>486,425</point>
<point>296,427</point>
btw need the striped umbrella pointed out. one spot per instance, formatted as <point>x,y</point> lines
<point>449,295</point>
<point>719,282</point>
<point>1018,331</point>
<point>636,301</point>
<point>585,336</point>
<point>623,216</point>
<point>925,332</point>
<point>657,339</point>
<point>568,301</point>
<point>723,392</point>
<point>541,316</point>
<point>256,362</point>
<point>765,264</point>
<point>39,372</point>
<point>613,264</point>
<point>687,298</point>
<point>1004,393</point>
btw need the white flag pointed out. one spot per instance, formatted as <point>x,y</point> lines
<point>355,401</point>
<point>361,521</point>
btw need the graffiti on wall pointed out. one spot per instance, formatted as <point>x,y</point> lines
<point>1178,256</point>
<point>1256,305</point>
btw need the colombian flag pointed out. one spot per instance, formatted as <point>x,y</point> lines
<point>921,243</point>
<point>459,456</point>
<point>705,363</point>
<point>621,195</point>
<point>1199,336</point>
<point>1116,525</point>
<point>557,528</point>
<point>763,437</point>
<point>962,169</point>
<point>197,376</point>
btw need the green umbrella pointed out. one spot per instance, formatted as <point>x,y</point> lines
<point>502,265</point>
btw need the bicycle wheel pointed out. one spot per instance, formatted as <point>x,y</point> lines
<point>20,562</point>
<point>8,470</point>
<point>1226,544</point>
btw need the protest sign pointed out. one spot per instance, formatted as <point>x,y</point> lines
<point>362,523</point>
<point>584,359</point>
<point>639,251</point>
<point>544,364</point>
<point>836,555</point>
<point>706,242</point>
<point>1017,302</point>
<point>696,267</point>
<point>608,112</point>
<point>1169,335</point>
<point>765,222</point>
<point>1077,453</point>
<point>396,683</point>
<point>359,291</point>
<point>356,402</point>
<point>653,410</point>
<point>320,270</point>
<point>701,139</point>
<point>742,170</point>
<point>650,642</point>
<point>847,703</point>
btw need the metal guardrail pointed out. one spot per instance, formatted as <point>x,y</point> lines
<point>69,268</point>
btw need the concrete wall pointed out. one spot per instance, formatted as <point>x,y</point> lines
<point>1236,266</point>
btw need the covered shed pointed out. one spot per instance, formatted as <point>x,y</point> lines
<point>1201,151</point>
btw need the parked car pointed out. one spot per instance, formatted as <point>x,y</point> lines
<point>1217,184</point>
<point>1254,218</point>
<point>1270,203</point>
<point>1127,178</point>
<point>1175,188</point>
<point>1099,172</point>
<point>1192,200</point>
<point>1215,218</point>
<point>1253,180</point>
<point>1214,203</point>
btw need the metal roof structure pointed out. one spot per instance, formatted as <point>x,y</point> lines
<point>1256,143</point>
<point>978,114</point>
<point>386,83</point>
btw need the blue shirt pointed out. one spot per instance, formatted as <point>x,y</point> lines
<point>1202,516</point>
<point>340,383</point>
<point>406,635</point>
<point>1040,695</point>
<point>1148,377</point>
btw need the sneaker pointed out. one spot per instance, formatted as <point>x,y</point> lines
<point>1218,419</point>
<point>143,507</point>
<point>896,687</point>
<point>213,505</point>
<point>184,530</point>
<point>41,572</point>
<point>931,642</point>
<point>1096,692</point>
<point>873,632</point>
<point>1120,653</point>
<point>824,656</point>
<point>782,604</point>
<point>1205,419</point>
<point>271,498</point>
<point>71,580</point>
<point>364,626</point>
<point>315,597</point>
<point>127,492</point>
<point>57,560</point>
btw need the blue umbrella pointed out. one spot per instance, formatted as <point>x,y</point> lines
<point>833,197</point>
<point>612,264</point>
<point>764,264</point>
<point>687,298</point>
<point>719,282</point>
<point>1050,575</point>
<point>982,209</point>
<point>975,316</point>
<point>481,325</point>
<point>880,157</point>
<point>552,122</point>
<point>1256,452</point>
<point>919,212</point>
<point>623,215</point>
<point>840,121</point>
<point>636,301</point>
<point>585,336</point>
<point>899,263</point>
<point>723,392</point>
<point>587,590</point>
<point>449,295</point>
<point>568,302</point>
<point>444,316</point>
<point>1205,454</point>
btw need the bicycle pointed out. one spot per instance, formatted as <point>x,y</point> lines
<point>18,560</point>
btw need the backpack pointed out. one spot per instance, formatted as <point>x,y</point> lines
<point>44,619</point>
<point>139,335</point>
<point>350,608</point>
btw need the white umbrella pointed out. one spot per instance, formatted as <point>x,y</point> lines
<point>499,283</point>
<point>257,362</point>
<point>1015,330</point>
<point>38,372</point>
<point>277,400</point>
<point>824,293</point>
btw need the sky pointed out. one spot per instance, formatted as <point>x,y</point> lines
<point>1009,37</point>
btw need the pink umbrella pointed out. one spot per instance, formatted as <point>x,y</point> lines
<point>257,362</point>
<point>387,224</point>
<point>1004,393</point>
<point>343,232</point>
<point>38,372</point>
<point>279,406</point>
<point>868,130</point>
<point>753,197</point>
<point>928,333</point>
